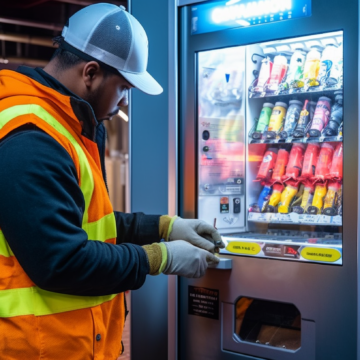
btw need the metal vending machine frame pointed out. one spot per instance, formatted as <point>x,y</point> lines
<point>326,296</point>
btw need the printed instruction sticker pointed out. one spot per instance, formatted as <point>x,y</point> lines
<point>203,302</point>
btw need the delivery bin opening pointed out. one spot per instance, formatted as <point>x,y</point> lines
<point>268,323</point>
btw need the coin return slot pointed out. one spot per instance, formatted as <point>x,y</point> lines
<point>268,323</point>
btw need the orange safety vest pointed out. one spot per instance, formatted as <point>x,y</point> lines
<point>37,324</point>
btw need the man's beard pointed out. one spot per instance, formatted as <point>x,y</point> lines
<point>93,99</point>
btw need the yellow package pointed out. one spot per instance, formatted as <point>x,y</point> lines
<point>286,198</point>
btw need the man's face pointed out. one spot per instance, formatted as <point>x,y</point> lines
<point>108,96</point>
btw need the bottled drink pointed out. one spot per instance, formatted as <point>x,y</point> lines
<point>286,198</point>
<point>275,197</point>
<point>337,74</point>
<point>329,59</point>
<point>267,165</point>
<point>336,170</point>
<point>306,199</point>
<point>295,76</point>
<point>264,197</point>
<point>324,161</point>
<point>292,118</point>
<point>318,200</point>
<point>336,117</point>
<point>278,72</point>
<point>280,165</point>
<point>306,116</point>
<point>276,119</point>
<point>264,75</point>
<point>264,120</point>
<point>295,163</point>
<point>310,161</point>
<point>331,198</point>
<point>321,116</point>
<point>312,66</point>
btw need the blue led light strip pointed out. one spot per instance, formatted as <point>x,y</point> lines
<point>220,15</point>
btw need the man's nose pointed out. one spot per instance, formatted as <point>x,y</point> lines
<point>125,99</point>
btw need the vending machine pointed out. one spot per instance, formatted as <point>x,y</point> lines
<point>268,154</point>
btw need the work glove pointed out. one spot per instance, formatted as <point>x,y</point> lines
<point>186,260</point>
<point>196,232</point>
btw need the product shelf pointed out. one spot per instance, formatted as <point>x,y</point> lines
<point>304,140</point>
<point>319,250</point>
<point>285,94</point>
<point>295,219</point>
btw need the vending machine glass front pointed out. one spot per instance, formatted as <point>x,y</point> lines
<point>270,147</point>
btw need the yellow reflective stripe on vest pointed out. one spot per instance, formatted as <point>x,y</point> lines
<point>38,302</point>
<point>103,229</point>
<point>33,300</point>
<point>86,178</point>
<point>4,246</point>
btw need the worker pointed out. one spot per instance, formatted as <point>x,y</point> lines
<point>66,257</point>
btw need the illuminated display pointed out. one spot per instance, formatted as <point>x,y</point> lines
<point>220,15</point>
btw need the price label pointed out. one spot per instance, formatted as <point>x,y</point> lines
<point>242,247</point>
<point>251,95</point>
<point>260,217</point>
<point>320,254</point>
<point>277,92</point>
<point>289,140</point>
<point>263,94</point>
<point>336,220</point>
<point>321,138</point>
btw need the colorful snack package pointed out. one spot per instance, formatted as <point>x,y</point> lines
<point>331,198</point>
<point>280,165</point>
<point>287,197</point>
<point>267,165</point>
<point>310,161</point>
<point>264,198</point>
<point>324,162</point>
<point>318,200</point>
<point>275,197</point>
<point>336,170</point>
<point>294,166</point>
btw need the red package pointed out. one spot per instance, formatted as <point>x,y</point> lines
<point>336,170</point>
<point>310,161</point>
<point>267,165</point>
<point>295,163</point>
<point>324,162</point>
<point>280,165</point>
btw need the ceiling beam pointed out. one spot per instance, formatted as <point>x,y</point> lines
<point>27,39</point>
<point>74,2</point>
<point>24,61</point>
<point>29,23</point>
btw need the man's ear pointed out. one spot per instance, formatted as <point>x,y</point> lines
<point>91,73</point>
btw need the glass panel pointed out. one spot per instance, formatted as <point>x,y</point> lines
<point>270,147</point>
<point>221,137</point>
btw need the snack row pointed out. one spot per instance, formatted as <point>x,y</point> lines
<point>298,119</point>
<point>318,67</point>
<point>302,163</point>
<point>304,198</point>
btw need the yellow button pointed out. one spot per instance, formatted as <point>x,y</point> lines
<point>320,254</point>
<point>242,247</point>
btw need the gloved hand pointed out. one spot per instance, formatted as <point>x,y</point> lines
<point>186,260</point>
<point>196,232</point>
